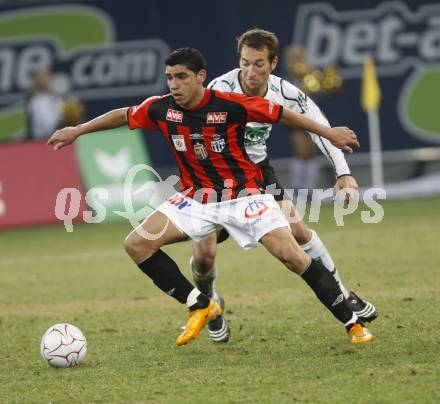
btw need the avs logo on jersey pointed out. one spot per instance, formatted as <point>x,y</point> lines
<point>179,142</point>
<point>200,151</point>
<point>218,143</point>
<point>174,116</point>
<point>216,117</point>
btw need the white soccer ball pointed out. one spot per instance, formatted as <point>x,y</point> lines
<point>63,346</point>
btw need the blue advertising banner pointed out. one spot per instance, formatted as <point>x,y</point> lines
<point>110,54</point>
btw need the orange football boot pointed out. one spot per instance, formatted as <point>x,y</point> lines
<point>358,333</point>
<point>197,320</point>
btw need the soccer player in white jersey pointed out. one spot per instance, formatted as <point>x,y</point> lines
<point>250,216</point>
<point>257,51</point>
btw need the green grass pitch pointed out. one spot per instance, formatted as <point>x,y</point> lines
<point>285,346</point>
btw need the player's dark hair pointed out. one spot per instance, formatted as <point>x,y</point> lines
<point>259,39</point>
<point>188,57</point>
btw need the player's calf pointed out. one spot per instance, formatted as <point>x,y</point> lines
<point>218,329</point>
<point>203,281</point>
<point>328,292</point>
<point>281,244</point>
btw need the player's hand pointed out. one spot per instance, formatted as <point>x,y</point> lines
<point>347,183</point>
<point>342,138</point>
<point>63,137</point>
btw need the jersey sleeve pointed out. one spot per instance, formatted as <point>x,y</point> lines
<point>261,110</point>
<point>296,100</point>
<point>139,115</point>
<point>257,109</point>
<point>220,84</point>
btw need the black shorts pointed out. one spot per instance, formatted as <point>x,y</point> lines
<point>269,178</point>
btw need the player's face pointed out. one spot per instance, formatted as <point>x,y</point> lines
<point>186,86</point>
<point>255,69</point>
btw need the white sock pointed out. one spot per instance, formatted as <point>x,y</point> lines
<point>315,248</point>
<point>205,282</point>
<point>353,319</point>
<point>192,297</point>
<point>341,285</point>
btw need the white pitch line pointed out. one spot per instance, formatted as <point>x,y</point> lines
<point>62,257</point>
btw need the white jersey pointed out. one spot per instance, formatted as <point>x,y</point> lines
<point>289,96</point>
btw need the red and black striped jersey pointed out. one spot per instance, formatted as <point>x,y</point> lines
<point>208,140</point>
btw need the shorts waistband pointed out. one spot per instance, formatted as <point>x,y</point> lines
<point>218,196</point>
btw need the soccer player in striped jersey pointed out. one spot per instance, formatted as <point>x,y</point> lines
<point>220,187</point>
<point>257,51</point>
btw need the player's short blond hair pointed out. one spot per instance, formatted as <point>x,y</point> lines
<point>259,39</point>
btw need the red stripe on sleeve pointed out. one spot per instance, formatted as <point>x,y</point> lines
<point>261,110</point>
<point>258,109</point>
<point>138,116</point>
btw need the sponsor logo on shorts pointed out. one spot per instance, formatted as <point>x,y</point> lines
<point>179,142</point>
<point>255,209</point>
<point>200,151</point>
<point>179,201</point>
<point>216,117</point>
<point>218,143</point>
<point>174,116</point>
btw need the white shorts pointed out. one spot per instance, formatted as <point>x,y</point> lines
<point>246,219</point>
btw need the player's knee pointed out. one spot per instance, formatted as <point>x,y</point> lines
<point>204,254</point>
<point>130,245</point>
<point>137,247</point>
<point>301,233</point>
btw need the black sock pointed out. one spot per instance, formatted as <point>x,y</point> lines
<point>166,276</point>
<point>202,302</point>
<point>327,290</point>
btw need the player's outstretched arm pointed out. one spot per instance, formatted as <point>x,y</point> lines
<point>110,120</point>
<point>341,137</point>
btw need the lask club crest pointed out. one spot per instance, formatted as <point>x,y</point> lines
<point>218,143</point>
<point>179,142</point>
<point>200,151</point>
